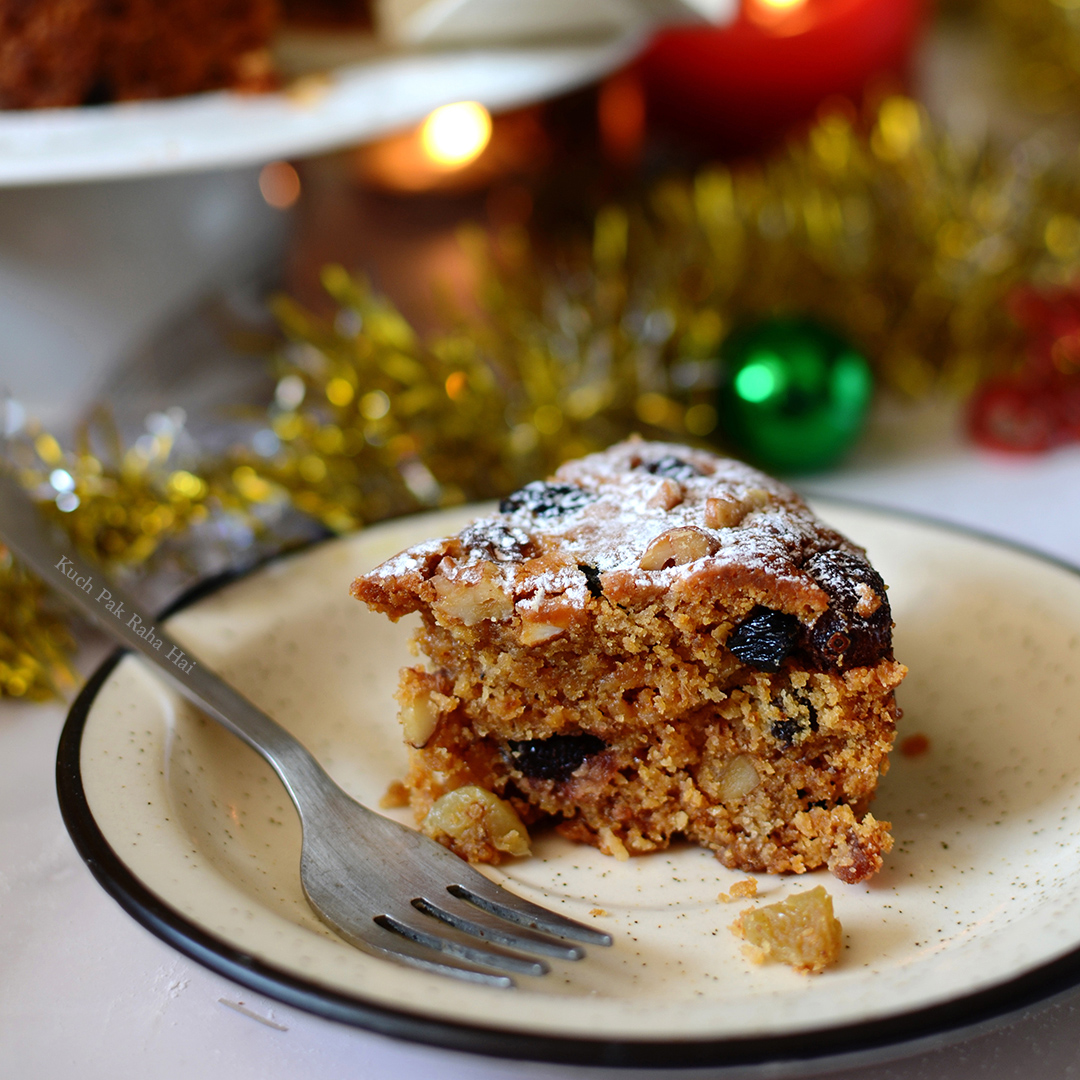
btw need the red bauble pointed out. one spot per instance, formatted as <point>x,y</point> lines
<point>1037,407</point>
<point>1009,415</point>
<point>737,88</point>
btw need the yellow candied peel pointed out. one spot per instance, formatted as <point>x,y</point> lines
<point>801,931</point>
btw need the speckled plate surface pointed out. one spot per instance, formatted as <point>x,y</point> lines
<point>976,913</point>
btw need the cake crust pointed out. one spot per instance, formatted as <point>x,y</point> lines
<point>656,643</point>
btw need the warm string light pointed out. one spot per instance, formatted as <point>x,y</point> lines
<point>782,18</point>
<point>454,135</point>
<point>445,148</point>
<point>621,118</point>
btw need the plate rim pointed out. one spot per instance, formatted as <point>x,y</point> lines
<point>49,146</point>
<point>868,1041</point>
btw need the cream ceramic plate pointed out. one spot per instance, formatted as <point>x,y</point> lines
<point>976,912</point>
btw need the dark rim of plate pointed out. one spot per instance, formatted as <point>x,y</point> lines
<point>875,1040</point>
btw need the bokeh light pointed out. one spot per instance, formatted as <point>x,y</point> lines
<point>456,134</point>
<point>279,183</point>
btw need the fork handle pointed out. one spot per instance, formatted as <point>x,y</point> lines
<point>24,530</point>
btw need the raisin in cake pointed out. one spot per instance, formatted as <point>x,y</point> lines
<point>656,643</point>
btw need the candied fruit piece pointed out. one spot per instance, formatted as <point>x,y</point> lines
<point>553,758</point>
<point>496,541</point>
<point>764,638</point>
<point>801,931</point>
<point>674,468</point>
<point>856,857</point>
<point>544,500</point>
<point>856,631</point>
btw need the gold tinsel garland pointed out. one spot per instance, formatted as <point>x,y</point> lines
<point>35,641</point>
<point>1038,45</point>
<point>903,240</point>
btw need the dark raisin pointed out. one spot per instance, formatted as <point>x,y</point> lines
<point>841,637</point>
<point>592,580</point>
<point>496,541</point>
<point>553,758</point>
<point>791,727</point>
<point>800,716</point>
<point>673,468</point>
<point>544,500</point>
<point>786,730</point>
<point>764,638</point>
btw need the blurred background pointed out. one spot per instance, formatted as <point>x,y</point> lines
<point>272,271</point>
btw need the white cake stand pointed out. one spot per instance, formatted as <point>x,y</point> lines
<point>114,218</point>
<point>350,103</point>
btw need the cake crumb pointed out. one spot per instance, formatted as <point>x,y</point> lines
<point>801,931</point>
<point>396,796</point>
<point>741,890</point>
<point>599,911</point>
<point>915,745</point>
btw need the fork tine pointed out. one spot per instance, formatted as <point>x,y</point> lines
<point>405,951</point>
<point>369,935</point>
<point>472,920</point>
<point>452,942</point>
<point>501,902</point>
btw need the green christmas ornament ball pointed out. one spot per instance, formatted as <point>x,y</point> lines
<point>793,394</point>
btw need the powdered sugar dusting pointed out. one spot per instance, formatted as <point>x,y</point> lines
<point>621,511</point>
<point>409,561</point>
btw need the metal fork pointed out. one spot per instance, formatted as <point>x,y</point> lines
<point>384,888</point>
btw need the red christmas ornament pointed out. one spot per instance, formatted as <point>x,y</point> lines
<point>740,87</point>
<point>1038,407</point>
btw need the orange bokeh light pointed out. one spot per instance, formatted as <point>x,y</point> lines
<point>279,183</point>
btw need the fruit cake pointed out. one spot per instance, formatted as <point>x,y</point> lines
<point>56,53</point>
<point>656,643</point>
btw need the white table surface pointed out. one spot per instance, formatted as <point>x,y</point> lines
<point>87,993</point>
